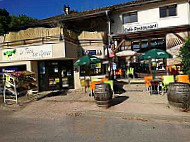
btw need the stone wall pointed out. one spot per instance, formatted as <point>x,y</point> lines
<point>32,33</point>
<point>1,39</point>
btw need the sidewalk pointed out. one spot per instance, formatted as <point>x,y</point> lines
<point>135,102</point>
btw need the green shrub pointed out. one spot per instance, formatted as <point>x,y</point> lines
<point>185,56</point>
<point>188,73</point>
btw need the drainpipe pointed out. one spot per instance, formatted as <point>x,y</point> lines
<point>188,14</point>
<point>109,25</point>
<point>109,42</point>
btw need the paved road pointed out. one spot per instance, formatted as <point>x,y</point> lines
<point>78,127</point>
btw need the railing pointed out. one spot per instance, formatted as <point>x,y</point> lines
<point>42,40</point>
<point>47,39</point>
<point>91,41</point>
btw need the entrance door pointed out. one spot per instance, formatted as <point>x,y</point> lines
<point>53,76</point>
<point>67,74</point>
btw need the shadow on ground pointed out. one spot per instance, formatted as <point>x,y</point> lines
<point>53,94</point>
<point>118,87</point>
<point>136,82</point>
<point>118,100</point>
<point>1,99</point>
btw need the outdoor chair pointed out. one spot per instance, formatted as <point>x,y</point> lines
<point>110,82</point>
<point>104,79</point>
<point>180,71</point>
<point>84,84</point>
<point>182,78</point>
<point>95,79</point>
<point>166,80</point>
<point>118,72</point>
<point>147,81</point>
<point>92,86</point>
<point>130,71</point>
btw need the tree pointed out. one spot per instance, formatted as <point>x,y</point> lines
<point>8,23</point>
<point>5,20</point>
<point>185,56</point>
<point>19,21</point>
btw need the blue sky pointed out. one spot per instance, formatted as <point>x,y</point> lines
<point>46,8</point>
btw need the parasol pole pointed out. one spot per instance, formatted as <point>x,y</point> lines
<point>150,66</point>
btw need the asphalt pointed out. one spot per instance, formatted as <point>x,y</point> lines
<point>80,128</point>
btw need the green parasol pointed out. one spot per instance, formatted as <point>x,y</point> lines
<point>155,54</point>
<point>87,60</point>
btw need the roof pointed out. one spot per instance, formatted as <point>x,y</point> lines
<point>93,12</point>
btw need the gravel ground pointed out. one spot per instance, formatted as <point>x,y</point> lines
<point>133,99</point>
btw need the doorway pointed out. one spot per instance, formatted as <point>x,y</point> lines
<point>56,75</point>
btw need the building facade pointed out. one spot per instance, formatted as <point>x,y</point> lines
<point>50,57</point>
<point>136,26</point>
<point>144,25</point>
<point>150,16</point>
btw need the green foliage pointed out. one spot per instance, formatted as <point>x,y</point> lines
<point>8,23</point>
<point>19,21</point>
<point>4,21</point>
<point>185,56</point>
<point>188,72</point>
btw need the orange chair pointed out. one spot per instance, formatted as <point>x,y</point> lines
<point>147,81</point>
<point>104,79</point>
<point>182,78</point>
<point>119,72</point>
<point>93,84</point>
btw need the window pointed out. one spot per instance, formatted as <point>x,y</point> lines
<point>167,11</point>
<point>136,46</point>
<point>130,17</point>
<point>158,43</point>
<point>92,52</point>
<point>144,44</point>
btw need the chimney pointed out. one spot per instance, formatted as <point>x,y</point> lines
<point>66,9</point>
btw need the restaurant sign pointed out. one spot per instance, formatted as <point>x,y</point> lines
<point>143,27</point>
<point>25,53</point>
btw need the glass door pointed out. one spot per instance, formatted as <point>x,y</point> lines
<point>53,76</point>
<point>64,78</point>
<point>67,75</point>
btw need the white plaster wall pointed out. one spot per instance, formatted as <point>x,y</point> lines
<point>34,68</point>
<point>95,46</point>
<point>181,18</point>
<point>71,50</point>
<point>59,50</point>
<point>152,15</point>
<point>77,84</point>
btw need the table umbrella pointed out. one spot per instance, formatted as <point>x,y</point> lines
<point>87,61</point>
<point>155,54</point>
<point>126,53</point>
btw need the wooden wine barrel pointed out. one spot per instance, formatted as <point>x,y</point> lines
<point>103,94</point>
<point>179,95</point>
